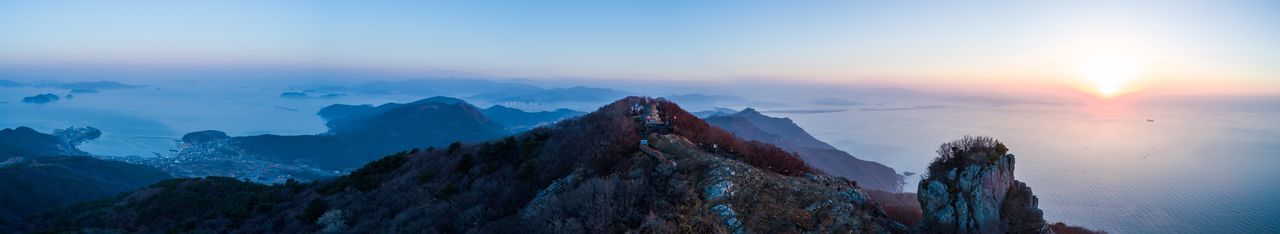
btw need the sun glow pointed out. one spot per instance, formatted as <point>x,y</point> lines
<point>1110,76</point>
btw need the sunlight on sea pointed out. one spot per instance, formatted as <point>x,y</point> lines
<point>1181,171</point>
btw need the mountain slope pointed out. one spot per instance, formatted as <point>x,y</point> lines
<point>357,135</point>
<point>586,174</point>
<point>32,185</point>
<point>24,141</point>
<point>784,133</point>
<point>518,120</point>
<point>35,176</point>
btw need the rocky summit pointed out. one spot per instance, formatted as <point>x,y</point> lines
<point>970,188</point>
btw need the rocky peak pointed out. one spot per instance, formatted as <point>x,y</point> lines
<point>970,188</point>
<point>749,112</point>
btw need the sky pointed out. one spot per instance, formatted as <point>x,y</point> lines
<point>1174,43</point>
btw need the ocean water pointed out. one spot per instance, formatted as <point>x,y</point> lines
<point>1103,167</point>
<point>1100,166</point>
<point>147,121</point>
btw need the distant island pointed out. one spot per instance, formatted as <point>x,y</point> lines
<point>94,85</point>
<point>83,91</point>
<point>41,98</point>
<point>10,83</point>
<point>304,95</point>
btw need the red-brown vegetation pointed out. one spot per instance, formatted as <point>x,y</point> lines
<point>901,207</point>
<point>761,155</point>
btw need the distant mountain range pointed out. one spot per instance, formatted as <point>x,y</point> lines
<point>443,86</point>
<point>750,124</point>
<point>718,111</point>
<point>95,85</point>
<point>705,101</point>
<point>554,95</point>
<point>518,120</point>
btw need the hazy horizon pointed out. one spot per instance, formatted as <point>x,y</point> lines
<point>1125,116</point>
<point>1185,46</point>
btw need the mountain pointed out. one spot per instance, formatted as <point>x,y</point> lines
<point>443,86</point>
<point>24,141</point>
<point>431,120</point>
<point>41,171</point>
<point>340,115</point>
<point>750,124</point>
<point>31,185</point>
<point>357,135</point>
<point>718,111</point>
<point>518,120</point>
<point>609,171</point>
<point>637,165</point>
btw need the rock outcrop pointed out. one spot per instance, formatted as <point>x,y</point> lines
<point>970,188</point>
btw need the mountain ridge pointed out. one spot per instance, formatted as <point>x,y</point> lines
<point>751,124</point>
<point>583,174</point>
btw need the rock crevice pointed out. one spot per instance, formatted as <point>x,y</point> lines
<point>970,188</point>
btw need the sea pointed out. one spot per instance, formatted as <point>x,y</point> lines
<point>1122,168</point>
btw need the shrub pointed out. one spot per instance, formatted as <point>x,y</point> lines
<point>314,210</point>
<point>453,147</point>
<point>426,176</point>
<point>758,154</point>
<point>464,164</point>
<point>370,176</point>
<point>965,151</point>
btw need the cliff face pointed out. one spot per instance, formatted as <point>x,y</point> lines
<point>971,189</point>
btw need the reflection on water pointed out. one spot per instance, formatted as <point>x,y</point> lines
<point>1102,167</point>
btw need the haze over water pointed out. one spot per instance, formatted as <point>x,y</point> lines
<point>1191,170</point>
<point>1104,166</point>
<point>1168,125</point>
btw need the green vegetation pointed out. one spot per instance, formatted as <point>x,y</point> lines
<point>464,164</point>
<point>368,177</point>
<point>314,210</point>
<point>966,151</point>
<point>453,148</point>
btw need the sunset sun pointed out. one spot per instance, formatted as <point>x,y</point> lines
<point>1108,77</point>
<point>511,116</point>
